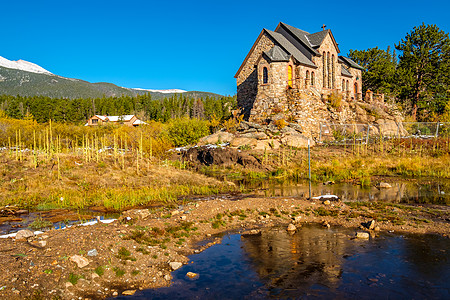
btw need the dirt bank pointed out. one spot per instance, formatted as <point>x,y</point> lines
<point>136,251</point>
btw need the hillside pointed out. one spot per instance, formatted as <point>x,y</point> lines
<point>25,83</point>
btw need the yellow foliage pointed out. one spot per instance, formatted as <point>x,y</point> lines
<point>280,123</point>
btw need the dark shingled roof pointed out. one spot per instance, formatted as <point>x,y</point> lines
<point>317,38</point>
<point>289,48</point>
<point>300,35</point>
<point>345,72</point>
<point>351,63</point>
<point>277,54</point>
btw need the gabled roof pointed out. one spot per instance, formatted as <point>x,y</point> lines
<point>317,38</point>
<point>311,41</point>
<point>290,48</point>
<point>351,63</point>
<point>277,54</point>
<point>300,35</point>
<point>345,72</point>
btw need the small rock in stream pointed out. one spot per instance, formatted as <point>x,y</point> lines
<point>175,265</point>
<point>291,227</point>
<point>362,235</point>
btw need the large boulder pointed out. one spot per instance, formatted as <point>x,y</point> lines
<point>267,144</point>
<point>242,142</point>
<point>215,138</point>
<point>296,141</point>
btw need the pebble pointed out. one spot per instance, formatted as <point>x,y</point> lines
<point>115,294</point>
<point>92,252</point>
<point>175,265</point>
<point>80,261</point>
<point>129,292</point>
<point>167,277</point>
<point>191,275</point>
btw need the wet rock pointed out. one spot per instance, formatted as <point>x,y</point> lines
<point>369,225</point>
<point>92,252</point>
<point>24,234</point>
<point>175,265</point>
<point>80,261</point>
<point>291,227</point>
<point>296,219</point>
<point>128,292</point>
<point>326,224</point>
<point>251,232</point>
<point>362,235</point>
<point>167,277</point>
<point>115,293</point>
<point>192,275</point>
<point>384,185</point>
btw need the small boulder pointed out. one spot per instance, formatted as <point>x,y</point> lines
<point>327,202</point>
<point>384,185</point>
<point>191,275</point>
<point>24,234</point>
<point>80,261</point>
<point>362,235</point>
<point>291,227</point>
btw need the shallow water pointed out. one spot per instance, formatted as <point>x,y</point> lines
<point>315,263</point>
<point>421,191</point>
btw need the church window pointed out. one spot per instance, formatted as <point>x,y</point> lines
<point>343,85</point>
<point>324,65</point>
<point>312,78</point>
<point>332,72</point>
<point>328,71</point>
<point>356,88</point>
<point>265,76</point>
<point>290,76</point>
<point>346,86</point>
<point>307,79</point>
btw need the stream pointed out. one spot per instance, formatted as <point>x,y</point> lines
<point>314,263</point>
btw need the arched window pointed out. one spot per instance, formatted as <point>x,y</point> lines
<point>346,86</point>
<point>307,79</point>
<point>328,70</point>
<point>343,85</point>
<point>332,72</point>
<point>356,88</point>
<point>265,76</point>
<point>290,76</point>
<point>324,65</point>
<point>312,78</point>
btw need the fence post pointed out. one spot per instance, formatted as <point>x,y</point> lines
<point>398,130</point>
<point>437,130</point>
<point>367,137</point>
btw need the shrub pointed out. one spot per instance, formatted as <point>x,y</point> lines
<point>185,131</point>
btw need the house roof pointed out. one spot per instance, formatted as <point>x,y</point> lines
<point>317,38</point>
<point>277,54</point>
<point>351,63</point>
<point>290,48</point>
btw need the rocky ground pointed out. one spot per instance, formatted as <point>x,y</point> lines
<point>143,247</point>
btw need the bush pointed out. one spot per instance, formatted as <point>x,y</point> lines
<point>182,132</point>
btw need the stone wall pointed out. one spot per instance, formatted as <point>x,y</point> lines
<point>247,78</point>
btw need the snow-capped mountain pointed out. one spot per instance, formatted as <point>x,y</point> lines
<point>23,66</point>
<point>27,79</point>
<point>169,91</point>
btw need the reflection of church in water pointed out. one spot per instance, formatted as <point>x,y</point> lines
<point>299,261</point>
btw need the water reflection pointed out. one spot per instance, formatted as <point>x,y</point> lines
<point>433,192</point>
<point>315,263</point>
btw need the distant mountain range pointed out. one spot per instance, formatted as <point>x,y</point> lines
<point>28,79</point>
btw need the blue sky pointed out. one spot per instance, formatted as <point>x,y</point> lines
<point>190,45</point>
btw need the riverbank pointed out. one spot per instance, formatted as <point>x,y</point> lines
<point>139,250</point>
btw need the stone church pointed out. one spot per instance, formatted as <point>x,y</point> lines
<point>287,63</point>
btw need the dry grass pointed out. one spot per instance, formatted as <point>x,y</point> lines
<point>113,183</point>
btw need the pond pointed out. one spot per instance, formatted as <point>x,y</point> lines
<point>314,263</point>
<point>402,191</point>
